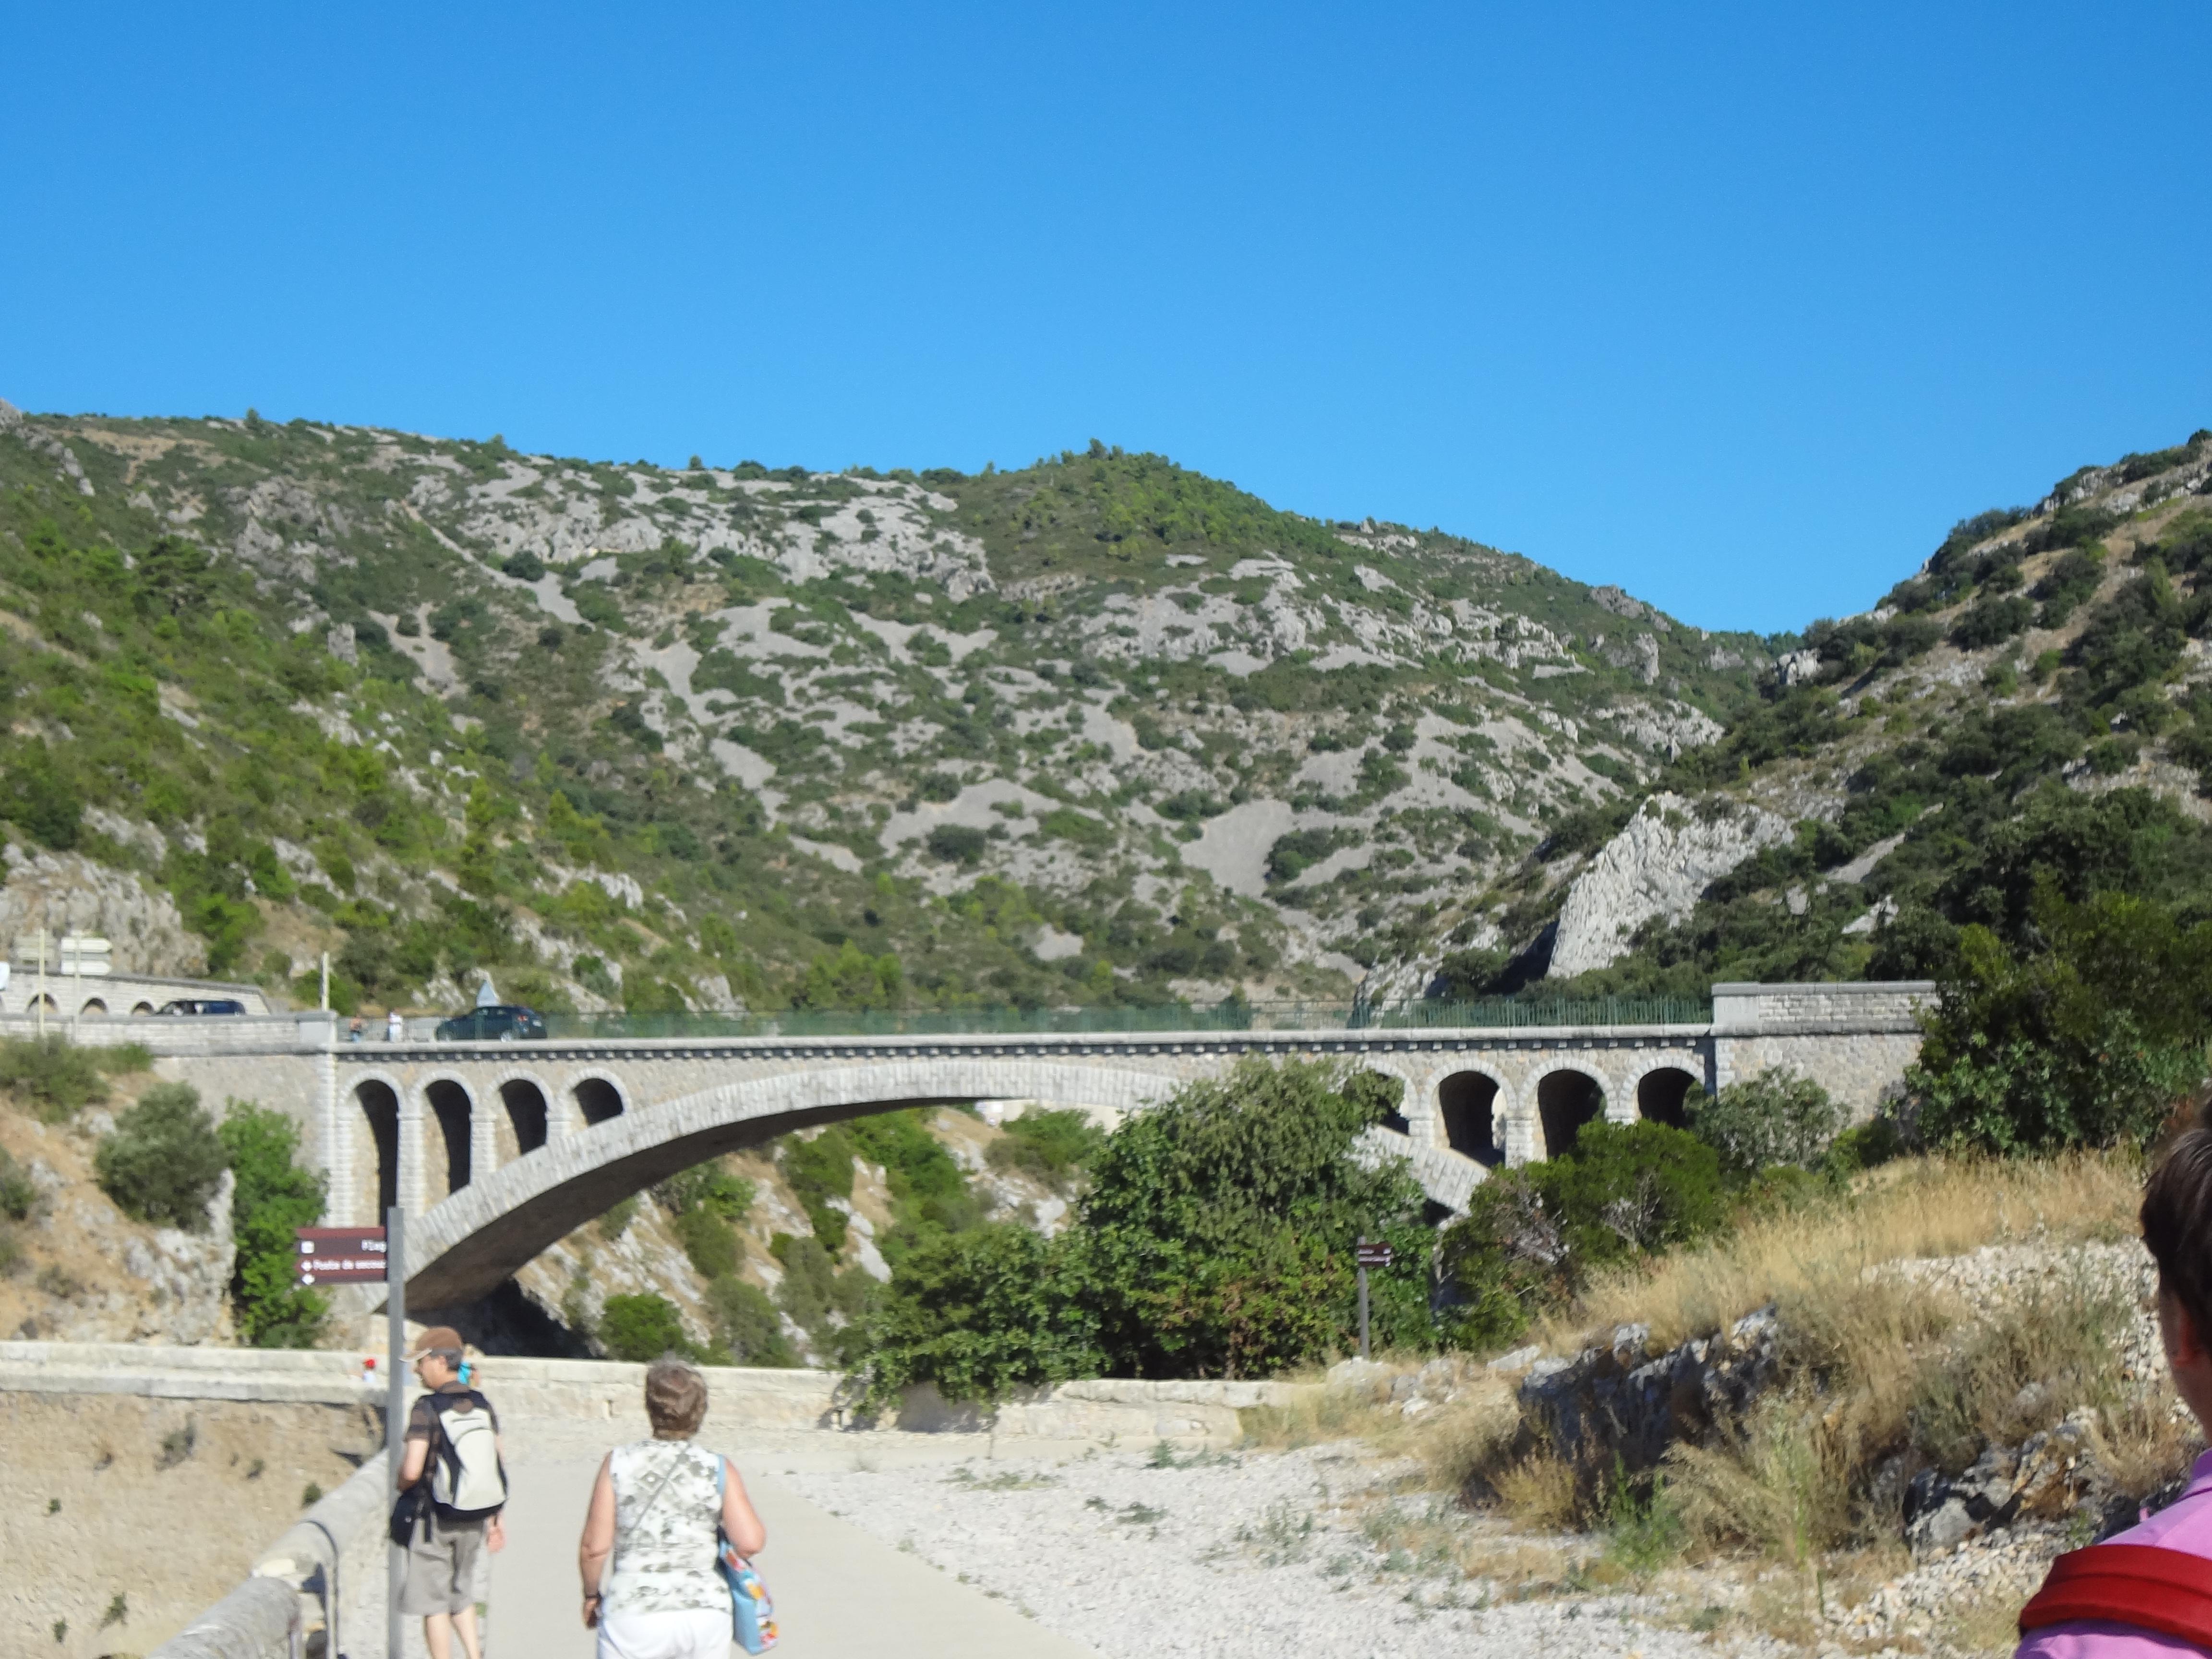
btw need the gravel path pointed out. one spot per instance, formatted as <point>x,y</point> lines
<point>1257,1554</point>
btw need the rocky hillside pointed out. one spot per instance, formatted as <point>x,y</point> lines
<point>1098,729</point>
<point>2031,710</point>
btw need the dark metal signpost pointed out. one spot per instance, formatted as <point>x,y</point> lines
<point>373,1255</point>
<point>1367,1255</point>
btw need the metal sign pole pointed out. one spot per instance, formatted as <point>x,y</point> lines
<point>395,1405</point>
<point>1362,1299</point>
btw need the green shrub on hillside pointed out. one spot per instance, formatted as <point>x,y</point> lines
<point>710,1242</point>
<point>928,1191</point>
<point>19,1193</point>
<point>746,1326</point>
<point>1065,823</point>
<point>164,1160</point>
<point>1293,854</point>
<point>38,795</point>
<point>708,1187</point>
<point>824,1303</point>
<point>957,843</point>
<point>56,1078</point>
<point>818,1169</point>
<point>852,979</point>
<point>2090,1040</point>
<point>1989,622</point>
<point>640,1329</point>
<point>1054,1147</point>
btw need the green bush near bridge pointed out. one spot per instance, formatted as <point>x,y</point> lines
<point>1215,1240</point>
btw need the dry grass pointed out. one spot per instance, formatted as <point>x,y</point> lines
<point>2145,1441</point>
<point>1915,1208</point>
<point>1540,1491</point>
<point>1451,1442</point>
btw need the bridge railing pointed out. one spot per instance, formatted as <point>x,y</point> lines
<point>1487,1013</point>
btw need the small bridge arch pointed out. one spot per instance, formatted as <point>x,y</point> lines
<point>1568,1096</point>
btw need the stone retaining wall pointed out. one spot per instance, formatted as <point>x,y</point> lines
<point>570,1391</point>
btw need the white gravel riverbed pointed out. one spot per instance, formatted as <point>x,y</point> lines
<point>1246,1556</point>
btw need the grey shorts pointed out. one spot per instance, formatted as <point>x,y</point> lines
<point>441,1568</point>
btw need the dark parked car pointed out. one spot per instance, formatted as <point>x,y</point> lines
<point>202,1005</point>
<point>506,1023</point>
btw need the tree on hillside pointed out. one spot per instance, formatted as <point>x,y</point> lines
<point>274,1196</point>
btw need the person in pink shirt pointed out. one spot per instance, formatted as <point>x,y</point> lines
<point>2175,1590</point>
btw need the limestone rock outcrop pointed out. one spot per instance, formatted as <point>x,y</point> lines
<point>1619,1401</point>
<point>1670,852</point>
<point>67,892</point>
<point>190,1277</point>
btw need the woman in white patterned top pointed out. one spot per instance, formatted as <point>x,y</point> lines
<point>655,1510</point>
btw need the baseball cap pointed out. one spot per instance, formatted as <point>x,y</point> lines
<point>436,1338</point>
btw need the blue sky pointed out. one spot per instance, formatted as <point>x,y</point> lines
<point>1738,306</point>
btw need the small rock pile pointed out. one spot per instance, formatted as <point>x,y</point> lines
<point>2050,1474</point>
<point>1441,1381</point>
<point>2005,1569</point>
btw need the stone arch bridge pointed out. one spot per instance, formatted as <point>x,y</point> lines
<point>499,1149</point>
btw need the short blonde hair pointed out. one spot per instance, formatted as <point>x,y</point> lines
<point>674,1398</point>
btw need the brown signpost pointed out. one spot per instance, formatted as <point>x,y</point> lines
<point>1365,1255</point>
<point>340,1255</point>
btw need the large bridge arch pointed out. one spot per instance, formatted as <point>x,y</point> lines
<point>484,1232</point>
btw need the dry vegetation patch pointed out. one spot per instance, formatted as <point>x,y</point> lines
<point>1814,1254</point>
<point>1933,1310</point>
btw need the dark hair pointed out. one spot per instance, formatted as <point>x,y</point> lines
<point>2177,1226</point>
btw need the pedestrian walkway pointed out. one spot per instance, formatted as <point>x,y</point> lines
<point>839,1594</point>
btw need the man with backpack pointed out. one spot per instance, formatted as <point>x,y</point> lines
<point>454,1470</point>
